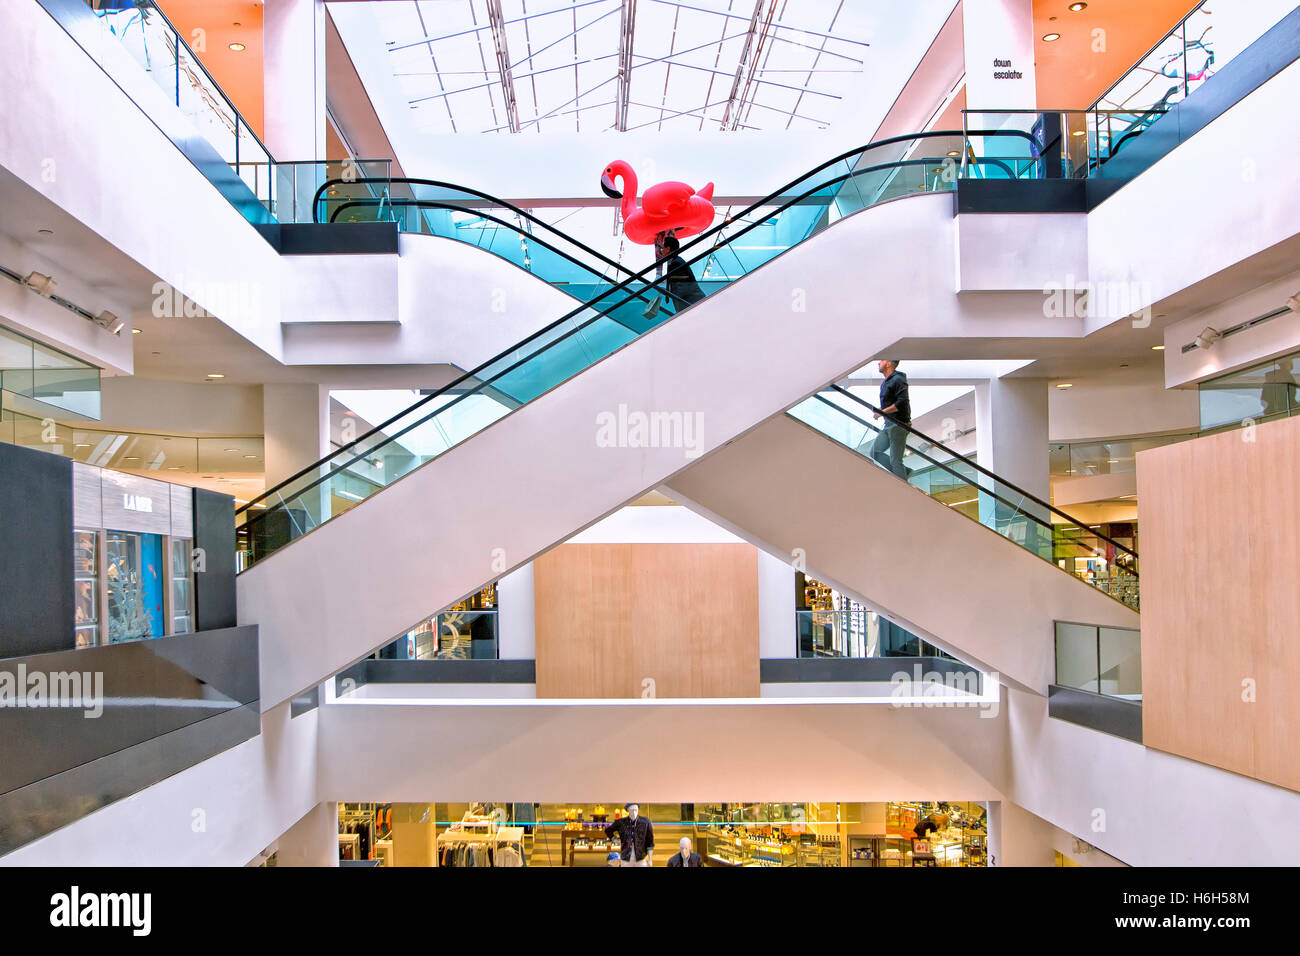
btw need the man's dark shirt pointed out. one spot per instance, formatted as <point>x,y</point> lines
<point>893,391</point>
<point>682,287</point>
<point>693,860</point>
<point>638,832</point>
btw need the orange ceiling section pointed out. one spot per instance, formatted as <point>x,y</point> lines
<point>1070,73</point>
<point>239,74</point>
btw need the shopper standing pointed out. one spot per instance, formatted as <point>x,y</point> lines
<point>887,450</point>
<point>636,837</point>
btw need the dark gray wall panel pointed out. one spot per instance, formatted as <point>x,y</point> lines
<point>36,589</point>
<point>214,588</point>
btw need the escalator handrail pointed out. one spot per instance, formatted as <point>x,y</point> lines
<point>440,204</point>
<point>364,180</point>
<point>712,232</point>
<point>967,461</point>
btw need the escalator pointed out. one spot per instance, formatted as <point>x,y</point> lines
<point>486,473</point>
<point>952,551</point>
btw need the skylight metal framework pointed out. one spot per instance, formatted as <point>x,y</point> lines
<point>556,65</point>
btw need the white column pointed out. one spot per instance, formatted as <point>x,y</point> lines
<point>313,840</point>
<point>516,626</point>
<point>293,36</point>
<point>776,624</point>
<point>295,424</point>
<point>999,49</point>
<point>1011,438</point>
<point>1018,837</point>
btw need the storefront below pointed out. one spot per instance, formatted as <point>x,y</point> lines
<point>949,834</point>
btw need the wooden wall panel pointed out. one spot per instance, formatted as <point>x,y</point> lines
<point>1220,528</point>
<point>610,615</point>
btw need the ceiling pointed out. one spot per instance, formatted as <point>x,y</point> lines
<point>585,65</point>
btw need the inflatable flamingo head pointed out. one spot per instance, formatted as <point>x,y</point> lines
<point>618,169</point>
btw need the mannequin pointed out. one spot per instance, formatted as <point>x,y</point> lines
<point>636,837</point>
<point>684,856</point>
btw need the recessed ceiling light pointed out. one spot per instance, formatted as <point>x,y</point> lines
<point>1076,7</point>
<point>1112,461</point>
<point>953,152</point>
<point>131,458</point>
<point>1050,37</point>
<point>232,449</point>
<point>1080,132</point>
<point>250,456</point>
<point>216,375</point>
<point>1066,385</point>
<point>173,467</point>
<point>1158,348</point>
<point>81,445</point>
<point>46,232</point>
<point>136,331</point>
<point>238,47</point>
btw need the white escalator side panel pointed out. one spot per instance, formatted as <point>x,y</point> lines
<point>971,591</point>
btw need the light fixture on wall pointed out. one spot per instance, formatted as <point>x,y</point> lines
<point>40,283</point>
<point>1208,337</point>
<point>107,320</point>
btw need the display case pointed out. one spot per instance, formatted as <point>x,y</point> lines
<point>85,574</point>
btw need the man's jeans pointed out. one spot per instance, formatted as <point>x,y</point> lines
<point>887,450</point>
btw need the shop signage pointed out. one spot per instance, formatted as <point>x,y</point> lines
<point>1002,71</point>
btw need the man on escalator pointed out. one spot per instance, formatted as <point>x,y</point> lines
<point>887,450</point>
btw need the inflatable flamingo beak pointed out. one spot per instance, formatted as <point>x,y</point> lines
<point>608,187</point>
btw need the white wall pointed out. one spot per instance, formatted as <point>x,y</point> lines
<point>1112,408</point>
<point>40,319</point>
<point>64,137</point>
<point>142,404</point>
<point>295,428</point>
<point>454,303</point>
<point>1218,199</point>
<point>243,799</point>
<point>1275,337</point>
<point>560,751</point>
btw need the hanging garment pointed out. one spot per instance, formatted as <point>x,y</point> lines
<point>508,855</point>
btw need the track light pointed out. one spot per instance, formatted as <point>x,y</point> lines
<point>40,284</point>
<point>107,320</point>
<point>1208,337</point>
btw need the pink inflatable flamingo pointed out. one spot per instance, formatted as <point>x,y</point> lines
<point>666,206</point>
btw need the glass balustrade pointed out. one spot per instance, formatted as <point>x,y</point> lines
<point>965,487</point>
<point>1102,660</point>
<point>142,29</point>
<point>32,372</point>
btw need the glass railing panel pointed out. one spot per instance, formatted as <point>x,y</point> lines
<point>1076,656</point>
<point>36,371</point>
<point>255,165</point>
<point>148,39</point>
<point>1260,393</point>
<point>1120,656</point>
<point>1155,82</point>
